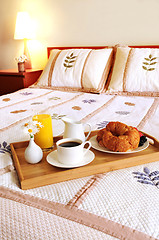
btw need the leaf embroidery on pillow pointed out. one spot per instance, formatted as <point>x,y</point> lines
<point>69,61</point>
<point>149,63</point>
<point>147,177</point>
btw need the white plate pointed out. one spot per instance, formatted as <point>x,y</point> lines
<point>96,146</point>
<point>53,160</point>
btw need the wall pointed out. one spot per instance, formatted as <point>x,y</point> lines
<point>77,23</point>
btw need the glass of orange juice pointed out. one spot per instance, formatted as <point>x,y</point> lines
<point>44,138</point>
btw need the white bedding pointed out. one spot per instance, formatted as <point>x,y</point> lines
<point>113,205</point>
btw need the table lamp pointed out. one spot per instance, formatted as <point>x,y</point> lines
<point>23,30</point>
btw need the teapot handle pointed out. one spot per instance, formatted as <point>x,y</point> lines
<point>89,132</point>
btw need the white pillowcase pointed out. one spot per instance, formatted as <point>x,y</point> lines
<point>116,82</point>
<point>77,69</point>
<point>136,70</point>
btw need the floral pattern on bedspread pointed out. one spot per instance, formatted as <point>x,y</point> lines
<point>102,124</point>
<point>36,103</point>
<point>6,99</point>
<point>122,112</point>
<point>54,98</point>
<point>130,104</point>
<point>26,93</point>
<point>89,101</point>
<point>147,177</point>
<point>57,117</point>
<point>4,147</point>
<point>76,108</point>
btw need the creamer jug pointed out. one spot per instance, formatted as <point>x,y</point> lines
<point>75,129</point>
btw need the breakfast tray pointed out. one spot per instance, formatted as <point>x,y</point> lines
<point>42,173</point>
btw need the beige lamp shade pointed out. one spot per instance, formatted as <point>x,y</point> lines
<point>23,28</point>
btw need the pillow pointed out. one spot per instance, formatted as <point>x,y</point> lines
<point>77,69</point>
<point>135,71</point>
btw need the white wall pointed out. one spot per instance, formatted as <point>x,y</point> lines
<point>77,23</point>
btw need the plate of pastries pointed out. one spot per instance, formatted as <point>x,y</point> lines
<point>119,138</point>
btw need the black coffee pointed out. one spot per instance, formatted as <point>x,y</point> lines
<point>69,144</point>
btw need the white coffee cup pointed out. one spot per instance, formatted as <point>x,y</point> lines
<point>70,151</point>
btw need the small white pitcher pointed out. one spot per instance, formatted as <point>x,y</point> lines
<point>75,129</point>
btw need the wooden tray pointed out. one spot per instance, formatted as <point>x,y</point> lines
<point>42,173</point>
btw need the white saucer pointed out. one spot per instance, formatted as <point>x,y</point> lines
<point>53,160</point>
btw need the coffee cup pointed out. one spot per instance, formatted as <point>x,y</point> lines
<point>70,151</point>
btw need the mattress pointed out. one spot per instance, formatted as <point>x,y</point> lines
<point>121,204</point>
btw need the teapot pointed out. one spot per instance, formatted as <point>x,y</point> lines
<point>75,129</point>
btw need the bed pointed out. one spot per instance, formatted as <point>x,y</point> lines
<point>118,83</point>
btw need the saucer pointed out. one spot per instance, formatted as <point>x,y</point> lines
<point>53,160</point>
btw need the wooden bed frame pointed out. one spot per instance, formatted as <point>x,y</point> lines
<point>96,47</point>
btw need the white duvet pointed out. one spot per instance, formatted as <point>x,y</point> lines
<point>121,204</point>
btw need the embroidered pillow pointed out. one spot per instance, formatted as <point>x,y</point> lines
<point>77,69</point>
<point>136,70</point>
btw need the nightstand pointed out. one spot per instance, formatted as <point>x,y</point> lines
<point>11,80</point>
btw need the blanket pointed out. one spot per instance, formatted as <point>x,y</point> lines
<point>121,204</point>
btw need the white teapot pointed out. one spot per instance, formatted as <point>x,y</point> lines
<point>75,129</point>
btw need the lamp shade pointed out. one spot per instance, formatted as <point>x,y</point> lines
<point>23,28</point>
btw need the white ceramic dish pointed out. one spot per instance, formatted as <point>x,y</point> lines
<point>96,146</point>
<point>53,160</point>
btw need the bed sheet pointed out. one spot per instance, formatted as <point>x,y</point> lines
<point>113,205</point>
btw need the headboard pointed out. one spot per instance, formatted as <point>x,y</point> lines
<point>96,47</point>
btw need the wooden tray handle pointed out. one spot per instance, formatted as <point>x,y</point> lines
<point>16,162</point>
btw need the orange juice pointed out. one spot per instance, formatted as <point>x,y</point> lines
<point>44,138</point>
